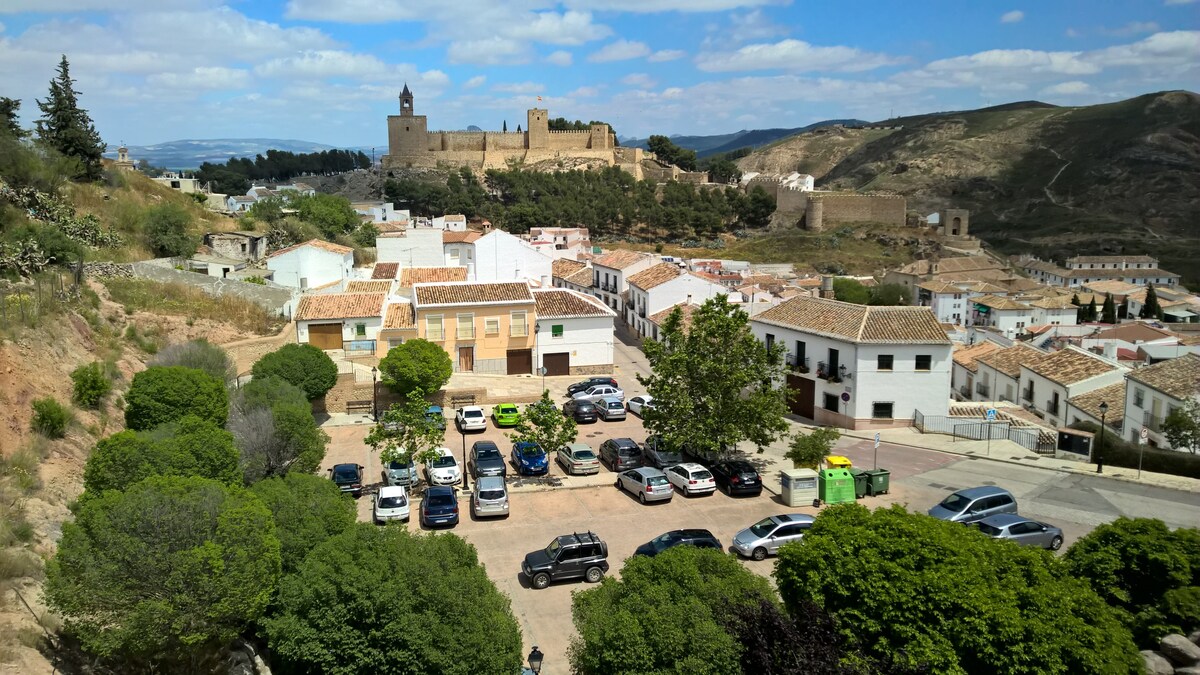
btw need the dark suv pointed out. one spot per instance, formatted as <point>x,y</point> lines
<point>569,556</point>
<point>486,460</point>
<point>589,383</point>
<point>621,454</point>
<point>737,476</point>
<point>348,478</point>
<point>698,538</point>
<point>581,411</point>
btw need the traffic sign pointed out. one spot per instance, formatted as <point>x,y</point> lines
<point>1145,433</point>
<point>845,397</point>
<point>876,440</point>
<point>991,414</point>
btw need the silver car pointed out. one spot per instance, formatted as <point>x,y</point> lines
<point>1021,530</point>
<point>650,485</point>
<point>658,454</point>
<point>401,473</point>
<point>598,392</point>
<point>578,459</point>
<point>767,535</point>
<point>975,504</point>
<point>610,409</point>
<point>490,497</point>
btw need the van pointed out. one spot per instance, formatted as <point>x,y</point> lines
<point>973,504</point>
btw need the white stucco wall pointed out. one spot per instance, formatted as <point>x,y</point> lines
<point>499,256</point>
<point>1154,408</point>
<point>1044,390</point>
<point>419,247</point>
<point>316,266</point>
<point>667,295</point>
<point>1061,317</point>
<point>950,307</point>
<point>349,330</point>
<point>1000,386</point>
<point>589,340</point>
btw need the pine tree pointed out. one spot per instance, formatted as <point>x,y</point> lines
<point>1109,312</point>
<point>8,117</point>
<point>66,127</point>
<point>505,129</point>
<point>1151,308</point>
<point>1091,310</point>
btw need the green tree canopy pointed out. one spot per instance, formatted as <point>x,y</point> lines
<point>714,383</point>
<point>1151,309</point>
<point>402,603</point>
<point>67,128</point>
<point>188,447</point>
<point>304,366</point>
<point>1109,312</point>
<point>932,592</point>
<point>10,109</point>
<point>167,227</point>
<point>810,449</point>
<point>416,365</point>
<point>890,294</point>
<point>165,573</point>
<point>307,509</point>
<point>274,430</point>
<point>332,214</point>
<point>668,152</point>
<point>543,423</point>
<point>404,432</point>
<point>724,171</point>
<point>199,354</point>
<point>162,394</point>
<point>1182,426</point>
<point>850,290</point>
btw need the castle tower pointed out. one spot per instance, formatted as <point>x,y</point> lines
<point>538,124</point>
<point>406,102</point>
<point>954,222</point>
<point>408,134</point>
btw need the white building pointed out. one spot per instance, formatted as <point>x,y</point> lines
<point>1056,311</point>
<point>574,333</point>
<point>239,203</point>
<point>661,286</point>
<point>1086,407</point>
<point>949,302</point>
<point>858,366</point>
<point>348,321</point>
<point>176,181</point>
<point>311,264</point>
<point>1047,384</point>
<point>560,242</point>
<point>998,374</point>
<point>497,256</point>
<point>1006,315</point>
<point>1080,270</point>
<point>379,212</point>
<point>302,189</point>
<point>966,368</point>
<point>610,272</point>
<point>1153,392</point>
<point>414,247</point>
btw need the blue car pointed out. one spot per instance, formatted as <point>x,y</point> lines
<point>434,414</point>
<point>530,459</point>
<point>439,506</point>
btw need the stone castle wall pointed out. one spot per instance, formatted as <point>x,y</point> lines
<point>822,210</point>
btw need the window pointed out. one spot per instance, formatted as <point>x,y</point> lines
<point>466,326</point>
<point>924,362</point>
<point>770,341</point>
<point>1139,397</point>
<point>360,330</point>
<point>882,410</point>
<point>517,325</point>
<point>885,361</point>
<point>433,328</point>
<point>831,402</point>
<point>556,330</point>
<point>395,342</point>
<point>491,327</point>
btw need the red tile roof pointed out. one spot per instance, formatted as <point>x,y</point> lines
<point>385,270</point>
<point>340,306</point>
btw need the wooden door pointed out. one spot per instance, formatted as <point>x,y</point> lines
<point>325,335</point>
<point>466,359</point>
<point>557,364</point>
<point>803,394</point>
<point>520,361</point>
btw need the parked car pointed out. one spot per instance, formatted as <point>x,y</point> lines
<point>1021,530</point>
<point>578,459</point>
<point>767,535</point>
<point>582,411</point>
<point>708,454</point>
<point>401,473</point>
<point>691,479</point>
<point>569,556</point>
<point>391,503</point>
<point>698,538</point>
<point>737,476</point>
<point>470,418</point>
<point>443,470</point>
<point>506,415</point>
<point>638,404</point>
<point>589,383</point>
<point>529,459</point>
<point>439,506</point>
<point>658,454</point>
<point>598,392</point>
<point>434,414</point>
<point>490,497</point>
<point>649,484</point>
<point>611,409</point>
<point>974,504</point>
<point>486,460</point>
<point>620,454</point>
<point>348,478</point>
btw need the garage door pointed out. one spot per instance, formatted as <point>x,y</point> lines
<point>520,361</point>
<point>325,335</point>
<point>557,364</point>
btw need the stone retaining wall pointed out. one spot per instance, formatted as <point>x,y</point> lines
<point>273,297</point>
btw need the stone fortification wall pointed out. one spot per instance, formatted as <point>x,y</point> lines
<point>693,177</point>
<point>462,140</point>
<point>789,199</point>
<point>569,140</point>
<point>273,297</point>
<point>499,140</point>
<point>768,183</point>
<point>822,210</point>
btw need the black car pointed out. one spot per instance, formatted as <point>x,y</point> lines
<point>736,476</point>
<point>348,478</point>
<point>569,556</point>
<point>621,454</point>
<point>589,383</point>
<point>699,538</point>
<point>582,411</point>
<point>486,460</point>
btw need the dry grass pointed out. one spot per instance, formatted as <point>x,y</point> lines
<point>19,563</point>
<point>188,301</point>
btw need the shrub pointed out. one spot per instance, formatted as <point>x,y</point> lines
<point>308,509</point>
<point>199,354</point>
<point>50,418</point>
<point>91,385</point>
<point>1118,452</point>
<point>166,227</point>
<point>416,365</point>
<point>162,394</point>
<point>304,366</point>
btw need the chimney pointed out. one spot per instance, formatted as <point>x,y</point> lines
<point>689,299</point>
<point>827,287</point>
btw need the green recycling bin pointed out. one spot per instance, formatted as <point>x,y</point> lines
<point>835,486</point>
<point>878,481</point>
<point>860,483</point>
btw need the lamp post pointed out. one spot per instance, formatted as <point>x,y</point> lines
<point>375,393</point>
<point>1100,445</point>
<point>537,349</point>
<point>535,660</point>
<point>462,432</point>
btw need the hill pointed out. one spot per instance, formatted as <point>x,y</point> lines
<point>1120,177</point>
<point>754,138</point>
<point>191,153</point>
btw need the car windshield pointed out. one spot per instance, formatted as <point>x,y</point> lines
<point>614,405</point>
<point>398,466</point>
<point>508,410</point>
<point>585,406</point>
<point>472,413</point>
<point>763,527</point>
<point>654,481</point>
<point>487,453</point>
<point>444,462</point>
<point>989,530</point>
<point>955,503</point>
<point>392,502</point>
<point>530,451</point>
<point>585,454</point>
<point>345,473</point>
<point>491,494</point>
<point>626,451</point>
<point>440,500</point>
<point>552,549</point>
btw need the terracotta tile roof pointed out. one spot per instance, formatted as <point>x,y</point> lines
<point>813,282</point>
<point>1130,259</point>
<point>392,226</point>
<point>940,287</point>
<point>1134,332</point>
<point>969,263</point>
<point>502,292</point>
<point>1113,395</point>
<point>581,278</point>
<point>461,237</point>
<point>759,279</point>
<point>858,323</point>
<point>1017,284</point>
<point>1010,359</point>
<point>998,302</point>
<point>619,259</point>
<point>1114,286</point>
<point>369,286</point>
<point>1057,302</point>
<point>563,268</point>
<point>562,304</point>
<point>966,356</point>
<point>399,316</point>
<point>1069,366</point>
<point>339,306</point>
<point>1178,377</point>
<point>655,275</point>
<point>981,287</point>
<point>686,312</point>
<point>385,270</point>
<point>318,243</point>
<point>431,275</point>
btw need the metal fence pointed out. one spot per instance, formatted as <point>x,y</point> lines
<point>981,430</point>
<point>26,304</point>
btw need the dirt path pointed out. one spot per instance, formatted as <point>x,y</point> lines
<point>1046,189</point>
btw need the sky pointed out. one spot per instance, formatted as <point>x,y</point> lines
<point>330,71</point>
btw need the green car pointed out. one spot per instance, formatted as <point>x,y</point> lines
<point>506,415</point>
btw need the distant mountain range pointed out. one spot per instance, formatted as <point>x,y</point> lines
<point>752,138</point>
<point>191,153</point>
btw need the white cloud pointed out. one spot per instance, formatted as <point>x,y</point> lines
<point>1072,88</point>
<point>666,55</point>
<point>795,55</point>
<point>74,6</point>
<point>322,64</point>
<point>1071,33</point>
<point>1014,16</point>
<point>654,6</point>
<point>584,92</point>
<point>621,50</point>
<point>1016,60</point>
<point>1133,28</point>
<point>559,58</point>
<point>489,51</point>
<point>1176,48</point>
<point>519,87</point>
<point>203,77</point>
<point>474,82</point>
<point>639,80</point>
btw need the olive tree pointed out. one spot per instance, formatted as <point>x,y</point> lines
<point>163,394</point>
<point>405,433</point>
<point>304,366</point>
<point>274,430</point>
<point>542,423</point>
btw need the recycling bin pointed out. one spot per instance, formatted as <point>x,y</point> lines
<point>835,486</point>
<point>878,481</point>
<point>837,462</point>
<point>799,486</point>
<point>860,483</point>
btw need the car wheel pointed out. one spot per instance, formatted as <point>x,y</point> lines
<point>618,484</point>
<point>642,497</point>
<point>728,490</point>
<point>540,580</point>
<point>1056,543</point>
<point>594,574</point>
<point>687,492</point>
<point>759,553</point>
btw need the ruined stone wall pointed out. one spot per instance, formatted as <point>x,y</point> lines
<point>846,208</point>
<point>693,177</point>
<point>771,185</point>
<point>792,200</point>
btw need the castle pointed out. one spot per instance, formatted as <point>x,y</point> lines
<point>411,144</point>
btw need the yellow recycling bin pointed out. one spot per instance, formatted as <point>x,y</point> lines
<point>837,462</point>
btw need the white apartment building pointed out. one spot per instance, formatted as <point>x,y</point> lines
<point>661,286</point>
<point>998,374</point>
<point>1047,384</point>
<point>311,264</point>
<point>610,272</point>
<point>1006,315</point>
<point>949,302</point>
<point>1153,392</point>
<point>574,333</point>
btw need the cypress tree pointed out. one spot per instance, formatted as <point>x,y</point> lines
<point>1075,299</point>
<point>66,127</point>
<point>1091,310</point>
<point>1109,312</point>
<point>1151,308</point>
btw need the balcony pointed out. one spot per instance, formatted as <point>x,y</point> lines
<point>1052,407</point>
<point>435,334</point>
<point>1152,423</point>
<point>642,312</point>
<point>1027,395</point>
<point>827,372</point>
<point>799,365</point>
<point>465,333</point>
<point>965,392</point>
<point>982,389</point>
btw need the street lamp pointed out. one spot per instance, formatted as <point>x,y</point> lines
<point>537,348</point>
<point>463,432</point>
<point>535,660</point>
<point>1100,446</point>
<point>374,393</point>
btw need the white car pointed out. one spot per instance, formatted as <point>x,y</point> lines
<point>390,503</point>
<point>691,479</point>
<point>471,418</point>
<point>598,392</point>
<point>637,404</point>
<point>444,470</point>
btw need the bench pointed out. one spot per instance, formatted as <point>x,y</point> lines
<point>459,400</point>
<point>361,407</point>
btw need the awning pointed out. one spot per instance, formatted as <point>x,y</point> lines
<point>1180,313</point>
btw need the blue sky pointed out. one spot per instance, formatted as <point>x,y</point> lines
<point>329,71</point>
